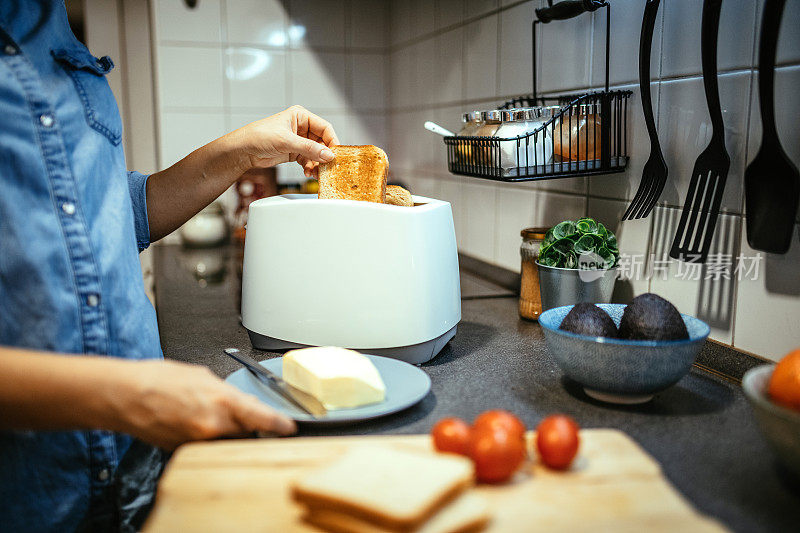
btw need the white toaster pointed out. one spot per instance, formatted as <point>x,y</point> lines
<point>377,278</point>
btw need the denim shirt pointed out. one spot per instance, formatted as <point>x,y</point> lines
<point>72,221</point>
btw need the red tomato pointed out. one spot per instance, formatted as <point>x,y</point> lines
<point>557,441</point>
<point>451,435</point>
<point>502,420</point>
<point>497,454</point>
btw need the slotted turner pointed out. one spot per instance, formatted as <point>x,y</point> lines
<point>771,181</point>
<point>654,173</point>
<point>700,211</point>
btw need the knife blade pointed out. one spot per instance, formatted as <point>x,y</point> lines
<point>295,396</point>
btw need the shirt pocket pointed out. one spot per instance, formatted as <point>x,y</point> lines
<point>89,76</point>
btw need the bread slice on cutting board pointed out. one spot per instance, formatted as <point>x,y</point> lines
<point>357,173</point>
<point>391,488</point>
<point>466,514</point>
<point>396,195</point>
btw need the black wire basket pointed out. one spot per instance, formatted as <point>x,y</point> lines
<point>587,135</point>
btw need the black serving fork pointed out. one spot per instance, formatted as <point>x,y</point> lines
<point>654,173</point>
<point>771,182</point>
<point>699,217</point>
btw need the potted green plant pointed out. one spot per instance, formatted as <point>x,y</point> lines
<point>577,263</point>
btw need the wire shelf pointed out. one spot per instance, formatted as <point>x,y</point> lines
<point>587,135</point>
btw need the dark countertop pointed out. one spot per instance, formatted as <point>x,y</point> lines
<point>701,430</point>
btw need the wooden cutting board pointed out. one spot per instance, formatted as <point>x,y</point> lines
<point>243,485</point>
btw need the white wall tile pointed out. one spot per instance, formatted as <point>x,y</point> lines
<point>256,78</point>
<point>518,209</point>
<point>258,22</point>
<point>449,66</point>
<point>427,186</point>
<point>476,8</point>
<point>403,77</point>
<point>323,21</point>
<point>682,23</point>
<point>175,21</point>
<point>359,128</point>
<point>685,129</point>
<point>182,133</point>
<point>237,120</point>
<point>626,24</point>
<point>427,82</point>
<point>516,63</point>
<point>451,191</point>
<point>423,17</point>
<point>448,13</point>
<point>565,54</point>
<point>367,28</point>
<point>401,23</point>
<point>190,77</point>
<point>369,86</point>
<point>788,36</point>
<point>710,297</point>
<point>768,306</point>
<point>481,58</point>
<point>479,220</point>
<point>318,80</point>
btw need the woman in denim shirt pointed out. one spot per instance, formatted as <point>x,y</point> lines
<point>87,403</point>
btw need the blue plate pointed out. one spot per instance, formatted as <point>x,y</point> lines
<point>405,386</point>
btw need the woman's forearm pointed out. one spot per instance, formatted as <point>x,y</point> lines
<point>177,193</point>
<point>44,391</point>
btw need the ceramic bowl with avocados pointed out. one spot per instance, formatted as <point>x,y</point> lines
<point>621,357</point>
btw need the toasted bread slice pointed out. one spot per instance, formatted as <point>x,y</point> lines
<point>397,195</point>
<point>357,173</point>
<point>468,513</point>
<point>392,488</point>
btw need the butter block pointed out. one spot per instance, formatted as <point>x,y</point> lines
<point>337,377</point>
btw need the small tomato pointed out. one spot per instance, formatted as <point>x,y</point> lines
<point>497,454</point>
<point>557,441</point>
<point>451,435</point>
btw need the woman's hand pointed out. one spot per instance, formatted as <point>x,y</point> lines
<point>168,403</point>
<point>295,134</point>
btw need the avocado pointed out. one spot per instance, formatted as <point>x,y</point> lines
<point>588,319</point>
<point>651,317</point>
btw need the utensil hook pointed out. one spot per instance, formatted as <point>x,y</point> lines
<point>569,9</point>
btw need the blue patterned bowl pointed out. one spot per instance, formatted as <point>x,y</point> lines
<point>617,370</point>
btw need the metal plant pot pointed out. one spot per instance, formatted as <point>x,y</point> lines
<point>569,286</point>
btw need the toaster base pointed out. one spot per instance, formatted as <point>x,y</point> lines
<point>416,354</point>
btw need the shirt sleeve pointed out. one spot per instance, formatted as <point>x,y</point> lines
<point>137,185</point>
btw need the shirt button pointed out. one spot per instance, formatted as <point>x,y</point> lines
<point>93,300</point>
<point>68,208</point>
<point>10,49</point>
<point>46,120</point>
<point>103,474</point>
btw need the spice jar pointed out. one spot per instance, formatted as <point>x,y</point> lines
<point>536,149</point>
<point>530,301</point>
<point>470,122</point>
<point>576,134</point>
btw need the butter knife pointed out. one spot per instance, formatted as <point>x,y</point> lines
<point>303,400</point>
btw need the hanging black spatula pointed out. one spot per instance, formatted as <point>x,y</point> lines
<point>654,173</point>
<point>699,216</point>
<point>771,181</point>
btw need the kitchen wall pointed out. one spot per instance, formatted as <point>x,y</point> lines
<point>226,63</point>
<point>450,56</point>
<point>379,70</point>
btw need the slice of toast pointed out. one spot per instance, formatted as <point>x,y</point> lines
<point>392,488</point>
<point>397,195</point>
<point>468,513</point>
<point>357,173</point>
